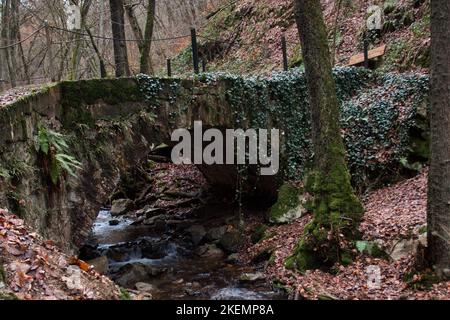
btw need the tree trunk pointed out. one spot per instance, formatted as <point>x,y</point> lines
<point>147,43</point>
<point>2,55</point>
<point>134,23</point>
<point>118,31</point>
<point>103,73</point>
<point>76,55</point>
<point>439,174</point>
<point>337,210</point>
<point>13,30</point>
<point>6,32</point>
<point>338,4</point>
<point>15,8</point>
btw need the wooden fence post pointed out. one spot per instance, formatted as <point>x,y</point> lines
<point>285,57</point>
<point>169,68</point>
<point>195,51</point>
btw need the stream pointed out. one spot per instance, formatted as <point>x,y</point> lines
<point>160,261</point>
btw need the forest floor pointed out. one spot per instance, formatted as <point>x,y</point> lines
<point>393,214</point>
<point>32,268</point>
<point>35,269</point>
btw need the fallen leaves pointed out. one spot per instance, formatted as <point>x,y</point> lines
<point>391,213</point>
<point>12,95</point>
<point>37,269</point>
<point>74,261</point>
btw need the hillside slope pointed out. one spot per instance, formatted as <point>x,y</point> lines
<point>244,36</point>
<point>34,269</point>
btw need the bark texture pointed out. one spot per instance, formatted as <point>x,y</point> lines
<point>439,175</point>
<point>118,31</point>
<point>147,42</point>
<point>337,210</point>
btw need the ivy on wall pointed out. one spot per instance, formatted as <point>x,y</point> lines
<point>378,112</point>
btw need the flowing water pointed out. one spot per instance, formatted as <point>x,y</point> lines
<point>176,272</point>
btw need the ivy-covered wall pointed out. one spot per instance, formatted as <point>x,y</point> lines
<point>383,118</point>
<point>109,126</point>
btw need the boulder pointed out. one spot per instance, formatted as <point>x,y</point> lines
<point>73,279</point>
<point>151,212</point>
<point>114,222</point>
<point>100,264</point>
<point>145,287</point>
<point>258,234</point>
<point>408,247</point>
<point>214,234</point>
<point>232,258</point>
<point>89,251</point>
<point>153,250</point>
<point>151,221</point>
<point>120,207</point>
<point>290,205</point>
<point>132,273</point>
<point>210,251</point>
<point>252,277</point>
<point>231,241</point>
<point>2,275</point>
<point>118,254</point>
<point>197,233</point>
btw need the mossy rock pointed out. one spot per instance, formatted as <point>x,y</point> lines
<point>372,249</point>
<point>303,259</point>
<point>7,296</point>
<point>289,206</point>
<point>231,241</point>
<point>258,234</point>
<point>2,274</point>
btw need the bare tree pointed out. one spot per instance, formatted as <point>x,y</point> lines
<point>144,38</point>
<point>7,43</point>
<point>118,31</point>
<point>147,42</point>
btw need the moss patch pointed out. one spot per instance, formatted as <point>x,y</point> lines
<point>258,234</point>
<point>287,207</point>
<point>2,274</point>
<point>77,95</point>
<point>337,213</point>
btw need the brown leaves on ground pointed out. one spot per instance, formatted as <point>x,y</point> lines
<point>394,212</point>
<point>37,270</point>
<point>12,95</point>
<point>399,211</point>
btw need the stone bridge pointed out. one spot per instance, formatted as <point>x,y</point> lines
<point>112,125</point>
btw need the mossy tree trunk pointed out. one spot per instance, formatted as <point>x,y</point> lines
<point>337,210</point>
<point>439,175</point>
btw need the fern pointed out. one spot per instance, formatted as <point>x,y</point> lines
<point>4,173</point>
<point>54,145</point>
